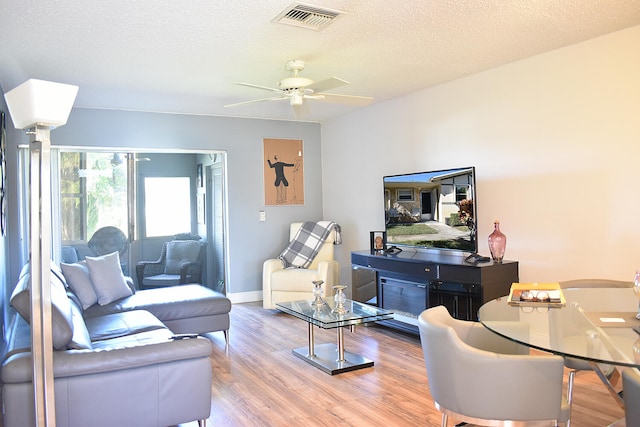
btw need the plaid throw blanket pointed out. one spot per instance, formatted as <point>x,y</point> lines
<point>306,244</point>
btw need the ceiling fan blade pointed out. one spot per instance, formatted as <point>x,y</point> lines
<point>328,84</point>
<point>347,99</point>
<point>270,89</point>
<point>273,98</point>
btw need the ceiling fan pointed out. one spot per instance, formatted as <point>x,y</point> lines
<point>297,89</point>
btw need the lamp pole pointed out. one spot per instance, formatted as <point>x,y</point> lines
<point>40,248</point>
<point>39,106</point>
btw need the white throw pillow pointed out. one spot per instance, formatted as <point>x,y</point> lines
<point>79,280</point>
<point>107,278</point>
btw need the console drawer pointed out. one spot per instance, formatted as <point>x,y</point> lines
<point>417,269</point>
<point>457,288</point>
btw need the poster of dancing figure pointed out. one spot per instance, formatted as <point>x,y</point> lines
<point>283,172</point>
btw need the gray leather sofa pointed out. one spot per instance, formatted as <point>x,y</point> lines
<point>117,364</point>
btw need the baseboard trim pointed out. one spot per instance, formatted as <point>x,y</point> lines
<point>240,297</point>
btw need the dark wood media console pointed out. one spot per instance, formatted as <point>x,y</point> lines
<point>409,282</point>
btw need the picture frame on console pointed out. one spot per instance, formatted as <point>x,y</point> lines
<point>378,241</point>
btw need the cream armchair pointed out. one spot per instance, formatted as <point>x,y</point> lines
<point>290,284</point>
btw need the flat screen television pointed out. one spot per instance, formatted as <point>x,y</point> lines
<point>432,210</point>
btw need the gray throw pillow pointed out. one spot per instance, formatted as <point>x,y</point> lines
<point>79,280</point>
<point>107,278</point>
<point>80,339</point>
<point>61,314</point>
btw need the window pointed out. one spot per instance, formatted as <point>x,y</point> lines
<point>405,195</point>
<point>462,192</point>
<point>93,193</point>
<point>166,215</point>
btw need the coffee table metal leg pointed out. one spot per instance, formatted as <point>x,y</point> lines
<point>330,358</point>
<point>340,344</point>
<point>311,342</point>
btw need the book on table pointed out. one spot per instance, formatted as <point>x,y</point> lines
<point>536,294</point>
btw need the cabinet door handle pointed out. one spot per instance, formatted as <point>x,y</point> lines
<point>427,269</point>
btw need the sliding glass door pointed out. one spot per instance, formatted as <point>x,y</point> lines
<point>139,200</point>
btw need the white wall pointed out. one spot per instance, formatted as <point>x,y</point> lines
<point>556,144</point>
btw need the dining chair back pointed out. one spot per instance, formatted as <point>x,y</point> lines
<point>631,385</point>
<point>476,376</point>
<point>575,365</point>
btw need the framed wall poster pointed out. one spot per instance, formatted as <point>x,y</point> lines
<point>378,241</point>
<point>283,172</point>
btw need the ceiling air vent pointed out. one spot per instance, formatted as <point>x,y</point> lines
<point>307,16</point>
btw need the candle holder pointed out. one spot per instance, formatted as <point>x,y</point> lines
<point>340,298</point>
<point>317,293</point>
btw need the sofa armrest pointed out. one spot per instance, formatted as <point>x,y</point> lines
<point>17,368</point>
<point>329,271</point>
<point>269,267</point>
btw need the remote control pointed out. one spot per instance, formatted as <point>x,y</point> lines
<point>183,336</point>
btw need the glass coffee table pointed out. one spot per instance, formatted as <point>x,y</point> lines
<point>328,357</point>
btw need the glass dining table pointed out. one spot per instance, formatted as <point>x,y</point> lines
<point>597,325</point>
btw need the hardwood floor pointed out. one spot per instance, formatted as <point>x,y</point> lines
<point>257,381</point>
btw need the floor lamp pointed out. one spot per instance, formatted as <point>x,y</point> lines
<point>39,106</point>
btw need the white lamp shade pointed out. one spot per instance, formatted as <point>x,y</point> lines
<point>39,102</point>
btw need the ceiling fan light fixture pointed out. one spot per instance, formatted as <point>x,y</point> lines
<point>294,83</point>
<point>297,90</point>
<point>296,98</point>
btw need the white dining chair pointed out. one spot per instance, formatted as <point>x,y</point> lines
<point>576,366</point>
<point>478,377</point>
<point>631,385</point>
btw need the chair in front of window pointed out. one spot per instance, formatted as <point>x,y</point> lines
<point>180,262</point>
<point>289,284</point>
<point>69,254</point>
<point>478,377</point>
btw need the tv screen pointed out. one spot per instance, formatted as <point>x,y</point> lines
<point>432,210</point>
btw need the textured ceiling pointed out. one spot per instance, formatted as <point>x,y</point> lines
<point>186,56</point>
